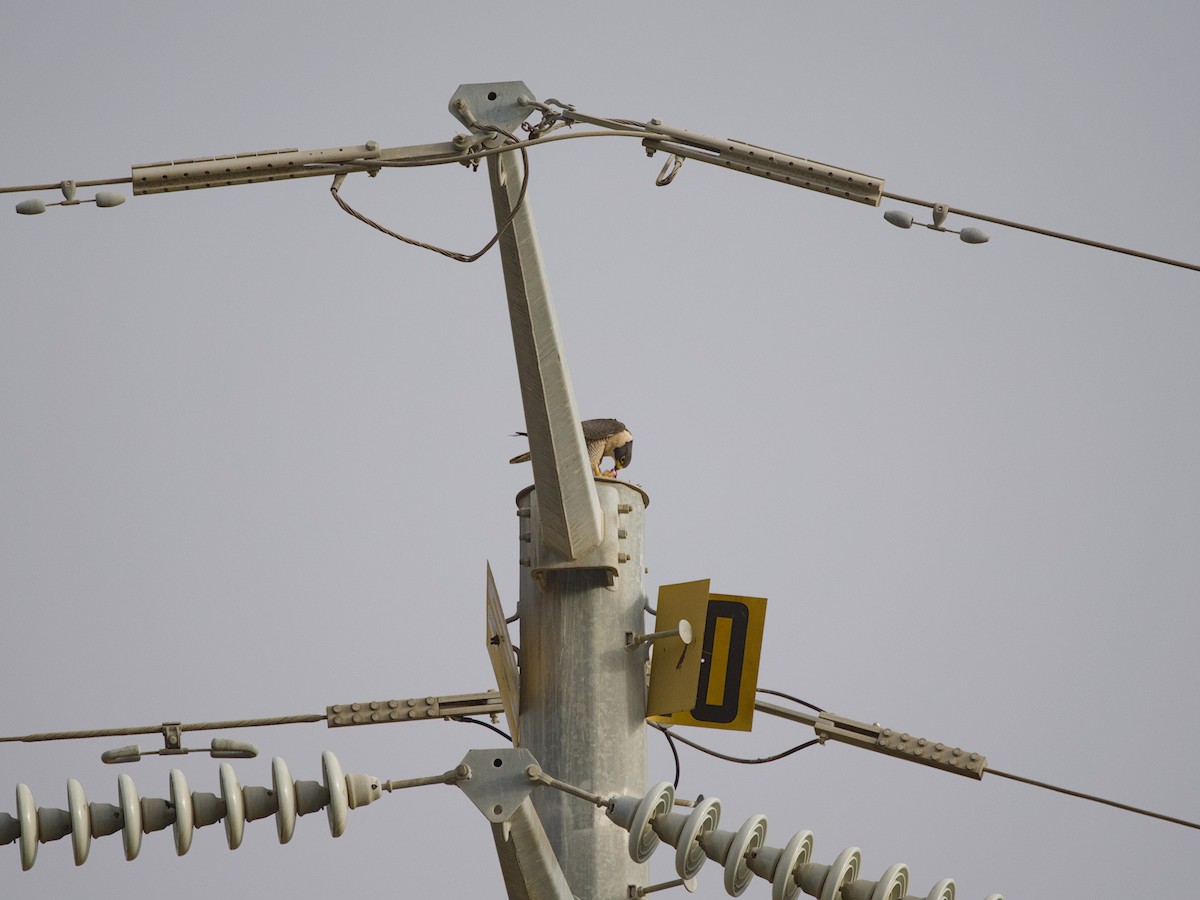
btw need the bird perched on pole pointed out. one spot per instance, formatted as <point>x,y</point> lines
<point>603,437</point>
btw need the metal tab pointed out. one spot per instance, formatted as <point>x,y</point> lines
<point>495,103</point>
<point>498,782</point>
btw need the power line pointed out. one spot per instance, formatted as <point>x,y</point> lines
<point>1095,799</point>
<point>1046,232</point>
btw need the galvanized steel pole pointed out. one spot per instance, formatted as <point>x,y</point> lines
<point>582,693</point>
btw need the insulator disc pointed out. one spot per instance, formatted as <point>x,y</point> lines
<point>843,871</point>
<point>81,821</point>
<point>285,793</point>
<point>27,817</point>
<point>185,814</point>
<point>943,890</point>
<point>751,836</point>
<point>335,783</point>
<point>235,806</point>
<point>131,816</point>
<point>643,840</point>
<point>799,850</point>
<point>892,884</point>
<point>689,855</point>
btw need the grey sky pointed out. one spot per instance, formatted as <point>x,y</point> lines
<point>254,454</point>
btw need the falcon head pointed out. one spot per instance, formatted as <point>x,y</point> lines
<point>623,454</point>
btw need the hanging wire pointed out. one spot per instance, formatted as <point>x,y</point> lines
<point>815,709</point>
<point>488,725</point>
<point>674,753</point>
<point>740,759</point>
<point>451,254</point>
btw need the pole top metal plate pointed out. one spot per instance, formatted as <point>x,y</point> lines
<point>498,783</point>
<point>495,103</point>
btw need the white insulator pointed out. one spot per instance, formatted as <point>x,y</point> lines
<point>362,790</point>
<point>131,816</point>
<point>689,854</point>
<point>335,783</point>
<point>799,850</point>
<point>943,890</point>
<point>826,882</point>
<point>81,821</point>
<point>735,853</point>
<point>777,866</point>
<point>259,802</point>
<point>207,808</point>
<point>994,897</point>
<point>27,818</point>
<point>636,815</point>
<point>285,793</point>
<point>892,885</point>
<point>235,807</point>
<point>185,813</point>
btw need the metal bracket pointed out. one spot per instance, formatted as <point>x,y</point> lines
<point>605,558</point>
<point>502,104</point>
<point>914,749</point>
<point>173,738</point>
<point>414,709</point>
<point>498,783</point>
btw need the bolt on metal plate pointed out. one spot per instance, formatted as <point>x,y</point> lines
<point>498,783</point>
<point>495,103</point>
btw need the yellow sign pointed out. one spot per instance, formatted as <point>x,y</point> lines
<point>728,676</point>
<point>504,658</point>
<point>674,665</point>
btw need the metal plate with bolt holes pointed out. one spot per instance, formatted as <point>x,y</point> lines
<point>495,103</point>
<point>504,658</point>
<point>498,783</point>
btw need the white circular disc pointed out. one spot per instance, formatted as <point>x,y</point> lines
<point>27,817</point>
<point>643,840</point>
<point>285,793</point>
<point>689,855</point>
<point>843,871</point>
<point>185,817</point>
<point>235,806</point>
<point>131,816</point>
<point>81,821</point>
<point>892,884</point>
<point>749,838</point>
<point>335,783</point>
<point>943,890</point>
<point>798,851</point>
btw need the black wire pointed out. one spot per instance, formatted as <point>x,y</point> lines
<point>790,697</point>
<point>504,734</point>
<point>450,254</point>
<point>740,759</point>
<point>674,752</point>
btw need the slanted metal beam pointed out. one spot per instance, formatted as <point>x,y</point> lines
<point>569,509</point>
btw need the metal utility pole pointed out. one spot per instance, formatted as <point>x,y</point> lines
<point>583,695</point>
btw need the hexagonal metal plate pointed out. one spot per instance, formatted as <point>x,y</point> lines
<point>498,783</point>
<point>495,103</point>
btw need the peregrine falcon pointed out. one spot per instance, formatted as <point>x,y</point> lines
<point>604,437</point>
